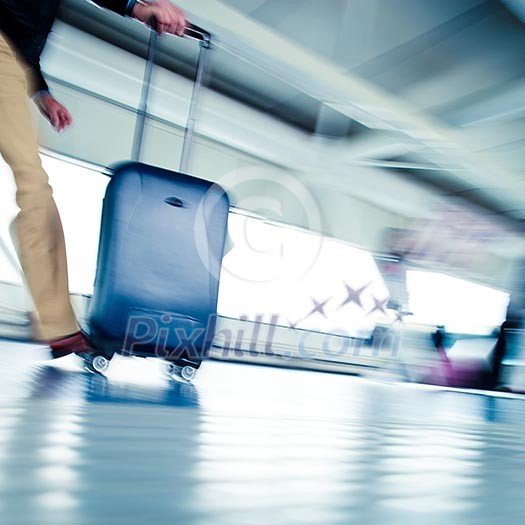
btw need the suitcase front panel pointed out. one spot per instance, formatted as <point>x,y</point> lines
<point>160,254</point>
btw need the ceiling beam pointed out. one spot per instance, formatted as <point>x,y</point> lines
<point>349,94</point>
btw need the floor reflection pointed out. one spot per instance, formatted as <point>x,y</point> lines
<point>49,382</point>
<point>250,445</point>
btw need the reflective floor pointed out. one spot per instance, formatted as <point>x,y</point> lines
<point>250,445</point>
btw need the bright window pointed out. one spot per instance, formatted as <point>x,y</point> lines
<point>78,193</point>
<point>8,210</point>
<point>284,274</point>
<point>460,305</point>
<point>306,280</point>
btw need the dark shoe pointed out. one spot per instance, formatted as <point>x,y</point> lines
<point>73,344</point>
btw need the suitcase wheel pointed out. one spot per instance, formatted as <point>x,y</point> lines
<point>96,363</point>
<point>185,373</point>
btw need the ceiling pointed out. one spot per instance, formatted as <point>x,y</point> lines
<point>449,68</point>
<point>458,61</point>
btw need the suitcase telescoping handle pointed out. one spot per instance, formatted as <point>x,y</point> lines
<point>192,32</point>
<point>197,33</point>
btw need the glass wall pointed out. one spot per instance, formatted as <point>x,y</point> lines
<point>272,272</point>
<point>288,276</point>
<point>78,193</point>
<point>461,306</point>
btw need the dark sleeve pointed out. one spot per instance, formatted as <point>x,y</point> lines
<point>122,7</point>
<point>40,82</point>
<point>37,82</point>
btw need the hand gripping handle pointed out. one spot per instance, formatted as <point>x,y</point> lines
<point>197,33</point>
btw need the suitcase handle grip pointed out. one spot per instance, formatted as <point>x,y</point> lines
<point>174,201</point>
<point>197,33</point>
<point>192,31</point>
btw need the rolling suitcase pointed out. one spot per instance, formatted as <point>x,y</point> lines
<point>160,254</point>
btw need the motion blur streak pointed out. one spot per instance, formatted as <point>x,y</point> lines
<point>247,444</point>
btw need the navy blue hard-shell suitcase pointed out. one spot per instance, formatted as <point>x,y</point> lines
<point>160,254</point>
<point>161,247</point>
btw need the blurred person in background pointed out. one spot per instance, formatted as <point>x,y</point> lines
<point>393,267</point>
<point>24,28</point>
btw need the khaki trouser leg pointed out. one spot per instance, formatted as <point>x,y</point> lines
<point>39,231</point>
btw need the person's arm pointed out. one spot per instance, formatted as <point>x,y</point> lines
<point>169,19</point>
<point>39,82</point>
<point>57,115</point>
